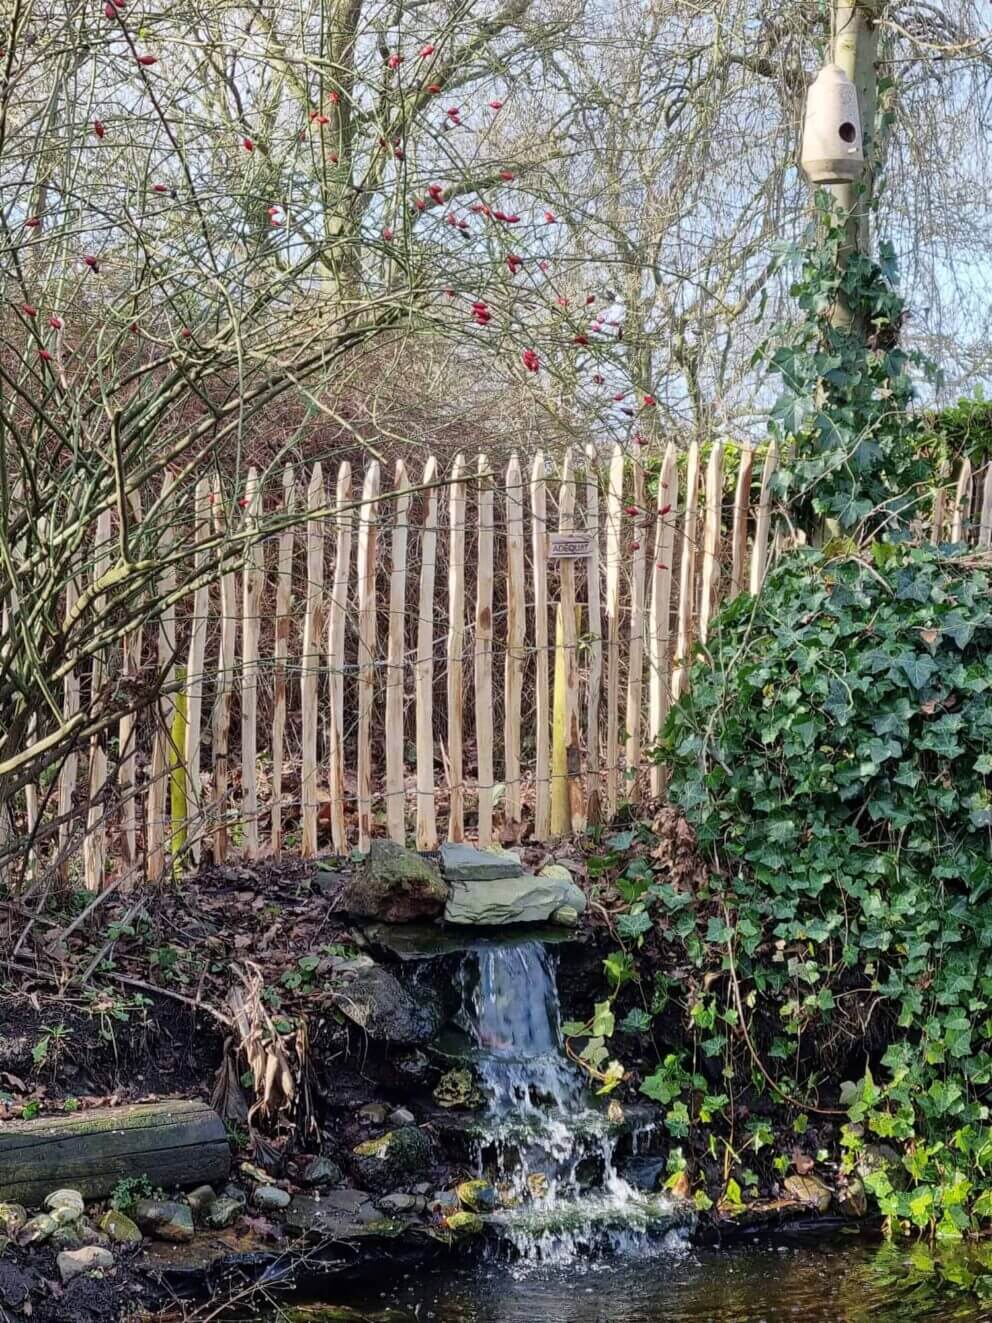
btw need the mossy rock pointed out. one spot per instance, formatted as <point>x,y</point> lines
<point>476,1196</point>
<point>457,1088</point>
<point>396,1157</point>
<point>394,884</point>
<point>463,1225</point>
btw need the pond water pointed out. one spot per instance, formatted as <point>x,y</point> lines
<point>850,1281</point>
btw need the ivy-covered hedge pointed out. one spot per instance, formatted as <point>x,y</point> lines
<point>834,755</point>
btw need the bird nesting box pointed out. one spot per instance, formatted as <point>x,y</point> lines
<point>832,146</point>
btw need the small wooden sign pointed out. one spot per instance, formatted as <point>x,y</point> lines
<point>568,546</point>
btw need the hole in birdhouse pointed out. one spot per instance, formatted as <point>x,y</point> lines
<point>847,131</point>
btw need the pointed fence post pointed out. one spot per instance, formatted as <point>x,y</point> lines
<point>456,647</point>
<point>313,631</point>
<point>516,633</point>
<point>335,654</point>
<point>367,634</point>
<point>284,625</point>
<point>396,663</point>
<point>660,631</point>
<point>594,806</point>
<point>424,672</point>
<point>251,599</point>
<point>484,653</point>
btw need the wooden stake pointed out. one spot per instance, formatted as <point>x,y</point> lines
<point>687,571</point>
<point>284,625</point>
<point>660,632</point>
<point>158,774</point>
<point>396,664</point>
<point>95,841</point>
<point>594,806</point>
<point>962,503</point>
<point>542,691</point>
<point>985,518</point>
<point>313,631</point>
<point>484,653</point>
<point>567,806</point>
<point>516,628</point>
<point>225,687</point>
<point>424,671</point>
<point>70,768</point>
<point>711,539</point>
<point>742,510</point>
<point>127,729</point>
<point>635,660</point>
<point>367,518</point>
<point>335,655</point>
<point>194,675</point>
<point>762,523</point>
<point>251,599</point>
<point>456,648</point>
<point>614,531</point>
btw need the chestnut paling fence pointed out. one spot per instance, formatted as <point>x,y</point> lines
<point>466,654</point>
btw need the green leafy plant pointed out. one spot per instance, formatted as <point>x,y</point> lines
<point>835,759</point>
<point>128,1190</point>
<point>854,455</point>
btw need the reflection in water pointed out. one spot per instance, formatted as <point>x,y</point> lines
<point>832,1283</point>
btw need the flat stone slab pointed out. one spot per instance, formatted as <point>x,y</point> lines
<point>414,941</point>
<point>336,1213</point>
<point>461,861</point>
<point>511,900</point>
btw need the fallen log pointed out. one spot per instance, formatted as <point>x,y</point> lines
<point>173,1143</point>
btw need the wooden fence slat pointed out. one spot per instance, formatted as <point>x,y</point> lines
<point>614,532</point>
<point>396,663</point>
<point>70,768</point>
<point>313,630</point>
<point>567,807</point>
<point>367,539</point>
<point>166,651</point>
<point>95,842</point>
<point>542,689</point>
<point>962,502</point>
<point>939,504</point>
<point>252,579</point>
<point>985,516</point>
<point>484,653</point>
<point>742,510</point>
<point>194,671</point>
<point>687,570</point>
<point>762,523</point>
<point>424,670</point>
<point>516,627</point>
<point>635,656</point>
<point>594,806</point>
<point>226,656</point>
<point>710,576</point>
<point>335,655</point>
<point>660,627</point>
<point>456,647</point>
<point>127,743</point>
<point>284,625</point>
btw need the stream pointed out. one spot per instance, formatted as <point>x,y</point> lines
<point>833,1282</point>
<point>576,1234</point>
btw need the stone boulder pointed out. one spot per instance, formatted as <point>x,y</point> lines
<point>512,900</point>
<point>377,1002</point>
<point>73,1263</point>
<point>392,1160</point>
<point>394,884</point>
<point>165,1219</point>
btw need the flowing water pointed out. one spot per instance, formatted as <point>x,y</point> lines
<point>578,1243</point>
<point>551,1149</point>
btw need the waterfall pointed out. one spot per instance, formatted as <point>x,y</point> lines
<point>546,1142</point>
